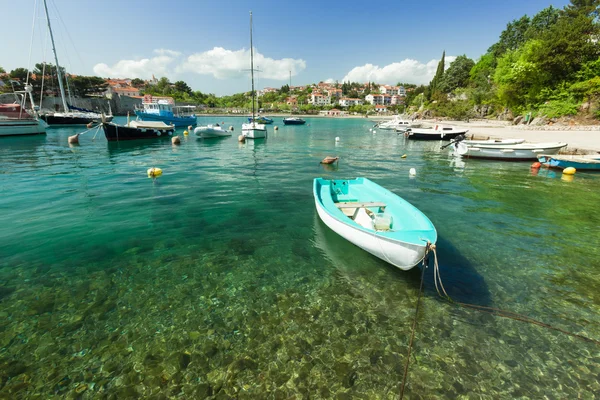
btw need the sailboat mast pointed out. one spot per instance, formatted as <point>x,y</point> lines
<point>251,65</point>
<point>58,72</point>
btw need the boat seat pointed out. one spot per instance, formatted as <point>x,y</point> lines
<point>351,208</point>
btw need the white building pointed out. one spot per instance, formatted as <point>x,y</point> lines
<point>347,102</point>
<point>317,99</point>
<point>392,90</point>
<point>379,99</point>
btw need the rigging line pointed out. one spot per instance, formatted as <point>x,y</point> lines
<point>68,34</point>
<point>31,43</point>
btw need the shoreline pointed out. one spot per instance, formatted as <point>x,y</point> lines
<point>579,139</point>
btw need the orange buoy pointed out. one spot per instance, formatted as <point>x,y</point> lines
<point>536,164</point>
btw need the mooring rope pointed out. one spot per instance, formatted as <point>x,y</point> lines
<point>414,326</point>
<point>491,310</point>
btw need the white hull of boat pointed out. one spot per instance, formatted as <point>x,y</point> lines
<point>523,151</point>
<point>17,127</point>
<point>206,132</point>
<point>396,124</point>
<point>254,131</point>
<point>402,255</point>
<point>492,142</point>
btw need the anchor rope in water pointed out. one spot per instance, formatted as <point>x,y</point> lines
<point>491,310</point>
<point>497,311</point>
<point>414,325</point>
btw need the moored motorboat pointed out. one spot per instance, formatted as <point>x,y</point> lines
<point>211,131</point>
<point>515,152</point>
<point>492,142</point>
<point>438,132</point>
<point>586,162</point>
<point>164,109</point>
<point>375,219</point>
<point>293,121</point>
<point>261,119</point>
<point>396,124</point>
<point>137,130</point>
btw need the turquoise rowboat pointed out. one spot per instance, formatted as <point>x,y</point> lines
<point>374,219</point>
<point>589,162</point>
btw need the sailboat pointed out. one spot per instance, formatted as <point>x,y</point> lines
<point>293,120</point>
<point>253,129</point>
<point>67,117</point>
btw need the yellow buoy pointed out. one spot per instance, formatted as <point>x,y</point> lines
<point>569,171</point>
<point>185,133</point>
<point>154,172</point>
<point>403,156</point>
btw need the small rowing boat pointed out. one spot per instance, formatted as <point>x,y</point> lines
<point>374,219</point>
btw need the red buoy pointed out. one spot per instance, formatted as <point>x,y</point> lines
<point>536,165</point>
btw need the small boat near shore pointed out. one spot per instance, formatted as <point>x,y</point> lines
<point>513,152</point>
<point>293,121</point>
<point>582,162</point>
<point>137,130</point>
<point>492,142</point>
<point>374,219</point>
<point>261,120</point>
<point>211,131</point>
<point>438,132</point>
<point>397,124</point>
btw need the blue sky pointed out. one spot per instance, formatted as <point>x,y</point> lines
<point>206,43</point>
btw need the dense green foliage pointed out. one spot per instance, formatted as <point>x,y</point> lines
<point>548,64</point>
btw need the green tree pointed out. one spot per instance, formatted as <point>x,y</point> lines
<point>457,74</point>
<point>519,78</point>
<point>512,37</point>
<point>137,83</point>
<point>588,8</point>
<point>19,73</point>
<point>2,71</point>
<point>566,46</point>
<point>182,87</point>
<point>87,85</point>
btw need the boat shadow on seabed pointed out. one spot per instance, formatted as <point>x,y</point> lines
<point>461,280</point>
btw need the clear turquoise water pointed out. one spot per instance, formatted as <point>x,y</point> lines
<point>217,280</point>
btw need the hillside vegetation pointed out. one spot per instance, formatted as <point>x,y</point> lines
<point>545,65</point>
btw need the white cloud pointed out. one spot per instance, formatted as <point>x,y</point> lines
<point>330,80</point>
<point>144,68</point>
<point>408,70</point>
<point>222,64</point>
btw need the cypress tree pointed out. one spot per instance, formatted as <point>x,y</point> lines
<point>438,76</point>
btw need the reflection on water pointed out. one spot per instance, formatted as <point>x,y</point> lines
<point>218,280</point>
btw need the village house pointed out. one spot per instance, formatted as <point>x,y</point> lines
<point>380,108</point>
<point>379,99</point>
<point>317,99</point>
<point>347,102</point>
